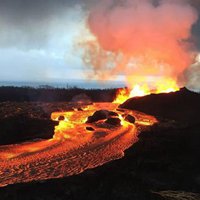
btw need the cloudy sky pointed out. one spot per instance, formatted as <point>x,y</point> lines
<point>38,39</point>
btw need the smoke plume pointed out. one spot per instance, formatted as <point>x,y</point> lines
<point>192,76</point>
<point>140,38</point>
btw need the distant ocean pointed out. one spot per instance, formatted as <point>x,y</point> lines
<point>65,84</point>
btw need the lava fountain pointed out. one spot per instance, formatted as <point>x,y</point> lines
<point>162,86</point>
<point>149,43</point>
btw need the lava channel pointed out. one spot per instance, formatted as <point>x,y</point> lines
<point>77,144</point>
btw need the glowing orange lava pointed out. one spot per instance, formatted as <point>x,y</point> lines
<point>165,85</point>
<point>75,146</point>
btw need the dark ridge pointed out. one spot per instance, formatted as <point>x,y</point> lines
<point>28,94</point>
<point>19,129</point>
<point>22,121</point>
<point>183,106</point>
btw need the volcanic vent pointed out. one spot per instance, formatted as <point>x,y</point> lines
<point>148,43</point>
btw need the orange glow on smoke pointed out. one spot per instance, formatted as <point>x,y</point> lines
<point>123,41</point>
<point>165,85</point>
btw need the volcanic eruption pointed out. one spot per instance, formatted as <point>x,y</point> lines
<point>148,42</point>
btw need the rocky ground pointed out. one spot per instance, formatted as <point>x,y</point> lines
<point>182,106</point>
<point>22,121</point>
<point>163,164</point>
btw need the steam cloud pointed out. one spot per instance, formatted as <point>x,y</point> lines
<point>140,38</point>
<point>132,37</point>
<point>192,75</point>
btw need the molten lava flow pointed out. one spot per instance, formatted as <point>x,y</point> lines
<point>165,85</point>
<point>76,145</point>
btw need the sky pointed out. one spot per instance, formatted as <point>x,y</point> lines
<point>39,39</point>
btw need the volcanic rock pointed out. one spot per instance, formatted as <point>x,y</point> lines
<point>88,128</point>
<point>113,121</point>
<point>111,113</point>
<point>120,110</point>
<point>20,128</point>
<point>169,106</point>
<point>61,118</point>
<point>130,119</point>
<point>100,115</point>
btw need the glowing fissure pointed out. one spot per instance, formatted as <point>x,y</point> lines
<point>162,86</point>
